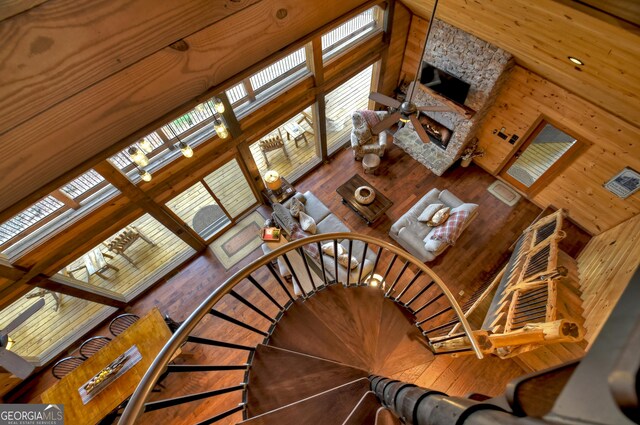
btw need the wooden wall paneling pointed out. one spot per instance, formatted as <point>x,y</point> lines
<point>54,43</point>
<point>148,89</point>
<point>392,60</point>
<point>615,144</point>
<point>606,266</point>
<point>413,50</point>
<point>142,200</point>
<point>542,34</point>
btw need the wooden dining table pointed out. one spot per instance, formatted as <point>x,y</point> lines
<point>150,333</point>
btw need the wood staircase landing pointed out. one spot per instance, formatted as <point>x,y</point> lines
<point>322,350</point>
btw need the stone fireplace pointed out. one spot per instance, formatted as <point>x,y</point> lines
<point>474,61</point>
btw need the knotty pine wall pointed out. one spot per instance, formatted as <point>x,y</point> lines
<point>606,266</point>
<point>614,144</point>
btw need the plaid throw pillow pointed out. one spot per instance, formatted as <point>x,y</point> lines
<point>311,249</point>
<point>450,231</point>
<point>371,117</point>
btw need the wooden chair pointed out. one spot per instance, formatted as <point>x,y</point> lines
<point>271,144</point>
<point>65,366</point>
<point>120,323</point>
<point>124,240</point>
<point>93,345</point>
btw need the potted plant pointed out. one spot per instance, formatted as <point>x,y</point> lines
<point>471,152</point>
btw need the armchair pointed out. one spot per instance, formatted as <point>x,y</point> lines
<point>363,141</point>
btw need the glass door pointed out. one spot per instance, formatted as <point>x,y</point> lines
<point>211,205</point>
<point>350,96</point>
<point>545,152</point>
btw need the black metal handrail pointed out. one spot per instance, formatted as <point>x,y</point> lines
<point>138,403</point>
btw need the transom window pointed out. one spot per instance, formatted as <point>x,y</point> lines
<point>351,32</point>
<point>267,83</point>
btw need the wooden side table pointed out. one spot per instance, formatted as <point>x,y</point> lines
<point>285,192</point>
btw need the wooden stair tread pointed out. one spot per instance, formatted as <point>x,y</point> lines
<point>364,413</point>
<point>353,314</point>
<point>279,377</point>
<point>401,345</point>
<point>328,408</point>
<point>301,330</point>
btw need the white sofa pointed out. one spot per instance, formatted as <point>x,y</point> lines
<point>411,233</point>
<point>326,222</point>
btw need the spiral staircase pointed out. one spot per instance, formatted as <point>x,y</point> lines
<point>317,358</point>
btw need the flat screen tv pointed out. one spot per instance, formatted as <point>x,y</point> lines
<point>444,83</point>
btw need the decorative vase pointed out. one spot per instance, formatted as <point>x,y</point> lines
<point>465,162</point>
<point>364,195</point>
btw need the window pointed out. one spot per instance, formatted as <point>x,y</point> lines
<point>265,84</point>
<point>160,146</point>
<point>130,260</point>
<point>54,211</point>
<point>351,32</point>
<point>291,149</point>
<point>351,96</point>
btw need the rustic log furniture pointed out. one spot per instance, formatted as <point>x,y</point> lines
<point>272,144</point>
<point>124,240</point>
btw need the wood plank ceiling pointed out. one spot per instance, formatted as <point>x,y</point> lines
<point>78,77</point>
<point>541,34</point>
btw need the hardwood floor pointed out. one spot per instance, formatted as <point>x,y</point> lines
<point>482,247</point>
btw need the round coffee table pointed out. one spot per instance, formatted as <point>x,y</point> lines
<point>370,163</point>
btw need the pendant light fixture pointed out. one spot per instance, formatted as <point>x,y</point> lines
<point>218,105</point>
<point>220,129</point>
<point>138,157</point>
<point>145,145</point>
<point>144,175</point>
<point>186,150</point>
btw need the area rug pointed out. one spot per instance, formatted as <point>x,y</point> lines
<point>238,241</point>
<point>504,193</point>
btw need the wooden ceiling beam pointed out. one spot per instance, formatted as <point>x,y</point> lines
<point>61,48</point>
<point>140,198</point>
<point>84,125</point>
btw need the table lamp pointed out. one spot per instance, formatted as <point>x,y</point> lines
<point>272,180</point>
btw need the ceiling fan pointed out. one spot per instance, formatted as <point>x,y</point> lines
<point>408,111</point>
<point>10,360</point>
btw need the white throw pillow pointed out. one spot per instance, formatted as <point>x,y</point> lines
<point>432,244</point>
<point>429,212</point>
<point>307,223</point>
<point>343,260</point>
<point>327,248</point>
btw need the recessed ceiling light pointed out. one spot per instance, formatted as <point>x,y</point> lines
<point>575,60</point>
